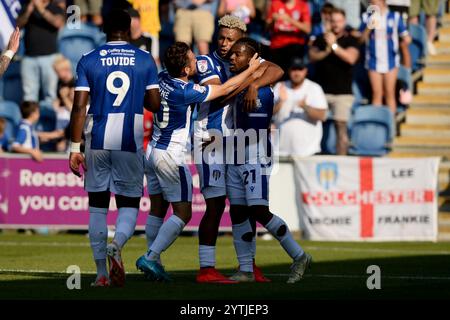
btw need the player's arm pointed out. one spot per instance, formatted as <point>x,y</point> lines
<point>234,82</point>
<point>268,73</point>
<point>77,119</point>
<point>152,100</point>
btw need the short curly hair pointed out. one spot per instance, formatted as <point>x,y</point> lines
<point>176,58</point>
<point>232,22</point>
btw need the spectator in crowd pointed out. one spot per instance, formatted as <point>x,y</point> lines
<point>92,9</point>
<point>63,103</point>
<point>41,19</point>
<point>138,38</point>
<point>352,9</point>
<point>325,22</point>
<point>300,108</point>
<point>243,9</point>
<point>11,50</point>
<point>335,53</point>
<point>402,7</point>
<point>195,19</point>
<point>290,23</point>
<point>382,31</point>
<point>149,24</point>
<point>4,139</point>
<point>431,9</point>
<point>27,140</point>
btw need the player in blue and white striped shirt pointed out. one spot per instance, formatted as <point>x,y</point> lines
<point>169,179</point>
<point>384,33</point>
<point>120,80</point>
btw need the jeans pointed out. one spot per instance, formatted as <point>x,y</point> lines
<point>37,73</point>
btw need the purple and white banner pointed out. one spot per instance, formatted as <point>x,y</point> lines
<point>47,194</point>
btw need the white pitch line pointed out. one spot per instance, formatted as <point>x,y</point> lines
<point>337,276</point>
<point>132,245</point>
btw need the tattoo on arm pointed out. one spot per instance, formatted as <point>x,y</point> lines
<point>4,63</point>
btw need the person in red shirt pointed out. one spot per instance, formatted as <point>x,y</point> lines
<point>290,23</point>
<point>148,127</point>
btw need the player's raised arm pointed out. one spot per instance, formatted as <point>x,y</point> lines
<point>234,82</point>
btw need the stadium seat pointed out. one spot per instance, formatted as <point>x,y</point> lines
<point>47,122</point>
<point>10,111</point>
<point>329,137</point>
<point>12,83</point>
<point>73,43</point>
<point>371,131</point>
<point>418,46</point>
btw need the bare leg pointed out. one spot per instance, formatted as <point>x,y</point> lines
<point>376,82</point>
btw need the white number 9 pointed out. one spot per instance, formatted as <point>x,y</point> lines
<point>120,91</point>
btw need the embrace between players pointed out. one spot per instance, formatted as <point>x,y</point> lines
<point>114,159</point>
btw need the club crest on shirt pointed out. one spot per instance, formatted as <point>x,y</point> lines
<point>202,66</point>
<point>199,88</point>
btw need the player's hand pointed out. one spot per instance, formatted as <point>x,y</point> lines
<point>75,160</point>
<point>254,63</point>
<point>37,155</point>
<point>250,98</point>
<point>14,40</point>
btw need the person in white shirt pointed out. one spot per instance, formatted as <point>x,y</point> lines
<point>300,108</point>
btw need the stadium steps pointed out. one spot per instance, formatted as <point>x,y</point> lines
<point>444,34</point>
<point>436,75</point>
<point>442,47</point>
<point>425,130</point>
<point>430,89</point>
<point>432,100</point>
<point>431,114</point>
<point>441,59</point>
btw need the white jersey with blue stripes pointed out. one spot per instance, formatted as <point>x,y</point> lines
<point>382,49</point>
<point>212,114</point>
<point>172,122</point>
<point>116,75</point>
<point>26,136</point>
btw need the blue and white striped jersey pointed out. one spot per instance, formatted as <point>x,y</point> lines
<point>211,114</point>
<point>26,136</point>
<point>382,49</point>
<point>117,75</point>
<point>172,122</point>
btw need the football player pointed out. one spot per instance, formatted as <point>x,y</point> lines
<point>169,179</point>
<point>120,81</point>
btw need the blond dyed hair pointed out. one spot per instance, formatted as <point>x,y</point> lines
<point>232,22</point>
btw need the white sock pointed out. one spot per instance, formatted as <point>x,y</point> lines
<point>169,232</point>
<point>243,248</point>
<point>207,255</point>
<point>280,231</point>
<point>98,236</point>
<point>125,225</point>
<point>152,228</point>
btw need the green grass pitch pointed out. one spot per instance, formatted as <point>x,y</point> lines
<point>33,267</point>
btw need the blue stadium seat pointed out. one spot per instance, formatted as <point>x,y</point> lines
<point>47,122</point>
<point>12,83</point>
<point>73,43</point>
<point>371,131</point>
<point>10,111</point>
<point>329,137</point>
<point>418,46</point>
